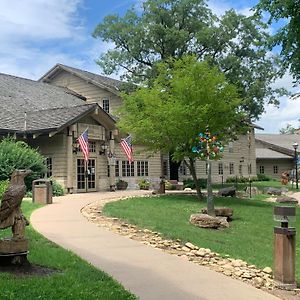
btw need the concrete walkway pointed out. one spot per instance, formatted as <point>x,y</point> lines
<point>145,271</point>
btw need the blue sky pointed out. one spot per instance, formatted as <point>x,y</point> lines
<point>37,34</point>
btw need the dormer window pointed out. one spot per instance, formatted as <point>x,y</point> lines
<point>105,105</point>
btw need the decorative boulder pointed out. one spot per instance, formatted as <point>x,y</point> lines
<point>226,192</point>
<point>254,190</point>
<point>273,191</point>
<point>221,212</point>
<point>287,200</point>
<point>206,221</point>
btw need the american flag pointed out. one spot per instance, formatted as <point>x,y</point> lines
<point>127,148</point>
<point>83,141</point>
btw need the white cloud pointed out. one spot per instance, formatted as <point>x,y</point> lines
<point>219,7</point>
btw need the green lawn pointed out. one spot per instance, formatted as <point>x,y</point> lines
<point>250,236</point>
<point>76,279</point>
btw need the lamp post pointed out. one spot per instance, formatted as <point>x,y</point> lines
<point>295,146</point>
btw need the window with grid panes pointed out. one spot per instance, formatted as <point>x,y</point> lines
<point>230,147</point>
<point>261,170</point>
<point>165,167</point>
<point>105,105</point>
<point>249,169</point>
<point>182,169</point>
<point>92,147</point>
<point>275,169</point>
<point>49,166</point>
<point>220,167</point>
<point>142,168</point>
<point>127,169</point>
<point>231,168</point>
<point>117,169</point>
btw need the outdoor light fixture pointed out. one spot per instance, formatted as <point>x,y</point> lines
<point>295,146</point>
<point>103,149</point>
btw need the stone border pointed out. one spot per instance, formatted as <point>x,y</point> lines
<point>235,268</point>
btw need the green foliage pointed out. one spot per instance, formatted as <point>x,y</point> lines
<point>121,184</point>
<point>57,188</point>
<point>172,29</point>
<point>3,187</point>
<point>190,183</point>
<point>288,35</point>
<point>18,155</point>
<point>263,177</point>
<point>250,236</point>
<point>74,278</point>
<point>169,186</point>
<point>288,129</point>
<point>144,184</point>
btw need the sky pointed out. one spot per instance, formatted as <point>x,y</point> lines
<point>37,34</point>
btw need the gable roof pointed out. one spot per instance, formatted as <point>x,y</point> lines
<point>265,153</point>
<point>110,84</point>
<point>29,106</point>
<point>280,142</point>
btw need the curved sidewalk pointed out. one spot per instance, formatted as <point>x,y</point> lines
<point>145,271</point>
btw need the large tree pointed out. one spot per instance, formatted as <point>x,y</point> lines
<point>185,98</point>
<point>287,16</point>
<point>173,28</point>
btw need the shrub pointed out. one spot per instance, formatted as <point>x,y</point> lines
<point>263,177</point>
<point>57,188</point>
<point>18,155</point>
<point>3,187</point>
<point>121,184</point>
<point>169,186</point>
<point>144,184</point>
<point>189,183</point>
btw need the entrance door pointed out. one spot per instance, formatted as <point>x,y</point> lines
<point>86,175</point>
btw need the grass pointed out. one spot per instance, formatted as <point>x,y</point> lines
<point>76,279</point>
<point>250,236</point>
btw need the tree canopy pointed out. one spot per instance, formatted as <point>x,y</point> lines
<point>288,35</point>
<point>288,129</point>
<point>165,29</point>
<point>186,98</point>
<point>18,155</point>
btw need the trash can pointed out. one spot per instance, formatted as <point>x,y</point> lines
<point>42,191</point>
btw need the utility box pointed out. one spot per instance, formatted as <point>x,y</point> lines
<point>42,191</point>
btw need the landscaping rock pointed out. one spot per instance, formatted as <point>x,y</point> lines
<point>227,192</point>
<point>286,199</point>
<point>206,221</point>
<point>254,190</point>
<point>268,270</point>
<point>221,212</point>
<point>273,191</point>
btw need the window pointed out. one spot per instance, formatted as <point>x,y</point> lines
<point>92,147</point>
<point>220,169</point>
<point>275,169</point>
<point>127,169</point>
<point>108,171</point>
<point>49,167</point>
<point>142,168</point>
<point>249,169</point>
<point>105,105</point>
<point>117,169</point>
<point>165,167</point>
<point>241,169</point>
<point>261,170</point>
<point>206,168</point>
<point>230,147</point>
<point>231,168</point>
<point>182,169</point>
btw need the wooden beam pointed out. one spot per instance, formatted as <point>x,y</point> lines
<point>35,135</point>
<point>51,134</point>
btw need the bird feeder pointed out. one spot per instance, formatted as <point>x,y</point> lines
<point>284,247</point>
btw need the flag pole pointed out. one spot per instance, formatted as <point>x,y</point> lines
<point>86,175</point>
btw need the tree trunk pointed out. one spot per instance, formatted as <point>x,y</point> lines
<point>191,166</point>
<point>210,200</point>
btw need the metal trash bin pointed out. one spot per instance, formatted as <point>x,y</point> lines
<point>42,191</point>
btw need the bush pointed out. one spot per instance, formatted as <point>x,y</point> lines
<point>144,184</point>
<point>189,183</point>
<point>3,187</point>
<point>169,186</point>
<point>121,184</point>
<point>57,188</point>
<point>240,179</point>
<point>263,177</point>
<point>18,155</point>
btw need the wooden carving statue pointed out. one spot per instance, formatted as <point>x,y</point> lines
<point>10,210</point>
